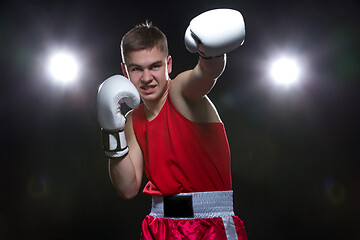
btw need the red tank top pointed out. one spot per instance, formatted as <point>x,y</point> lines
<point>181,155</point>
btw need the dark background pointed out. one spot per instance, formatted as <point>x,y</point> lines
<point>295,151</point>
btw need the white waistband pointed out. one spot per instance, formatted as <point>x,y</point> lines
<point>205,204</point>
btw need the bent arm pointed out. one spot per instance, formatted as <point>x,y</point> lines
<point>126,172</point>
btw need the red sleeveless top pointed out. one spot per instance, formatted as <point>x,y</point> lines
<point>181,155</point>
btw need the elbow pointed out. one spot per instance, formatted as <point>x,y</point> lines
<point>128,195</point>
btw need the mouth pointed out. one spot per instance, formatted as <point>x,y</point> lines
<point>148,88</point>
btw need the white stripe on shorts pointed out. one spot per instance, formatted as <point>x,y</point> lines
<point>205,205</point>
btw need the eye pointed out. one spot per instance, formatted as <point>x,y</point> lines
<point>135,69</point>
<point>155,67</point>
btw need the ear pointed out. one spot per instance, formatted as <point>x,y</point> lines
<point>124,70</point>
<point>169,64</point>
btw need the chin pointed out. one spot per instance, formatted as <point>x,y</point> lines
<point>147,97</point>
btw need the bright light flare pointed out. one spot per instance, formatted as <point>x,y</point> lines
<point>285,71</point>
<point>63,67</point>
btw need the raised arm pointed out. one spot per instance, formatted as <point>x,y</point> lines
<point>196,83</point>
<point>211,34</point>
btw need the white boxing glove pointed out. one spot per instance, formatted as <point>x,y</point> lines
<point>215,32</point>
<point>112,92</point>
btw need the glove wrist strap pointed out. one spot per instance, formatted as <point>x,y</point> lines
<point>203,55</point>
<point>114,143</point>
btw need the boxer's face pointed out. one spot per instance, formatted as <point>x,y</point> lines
<point>149,71</point>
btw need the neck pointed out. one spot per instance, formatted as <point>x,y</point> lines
<point>153,107</point>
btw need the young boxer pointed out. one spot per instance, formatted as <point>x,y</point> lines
<point>175,135</point>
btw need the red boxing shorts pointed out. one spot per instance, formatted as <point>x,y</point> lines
<point>193,216</point>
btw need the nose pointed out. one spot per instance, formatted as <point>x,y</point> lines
<point>146,77</point>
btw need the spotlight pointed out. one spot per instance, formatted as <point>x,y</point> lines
<point>285,70</point>
<point>63,67</point>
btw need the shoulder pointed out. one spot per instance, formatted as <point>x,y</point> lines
<point>134,112</point>
<point>197,110</point>
<point>129,114</point>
